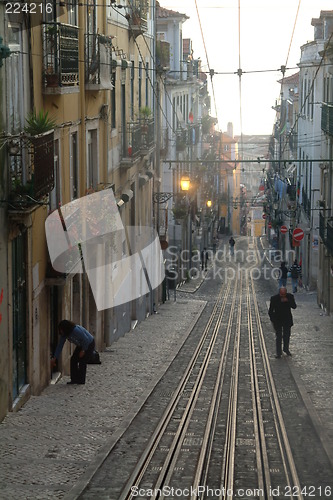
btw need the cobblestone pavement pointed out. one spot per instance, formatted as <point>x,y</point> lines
<point>311,365</point>
<point>64,434</point>
<point>53,445</point>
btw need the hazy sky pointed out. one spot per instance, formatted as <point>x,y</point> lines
<point>266,28</point>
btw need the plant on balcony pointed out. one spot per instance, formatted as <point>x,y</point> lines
<point>145,112</point>
<point>38,123</point>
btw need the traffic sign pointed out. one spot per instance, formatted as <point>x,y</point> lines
<point>264,216</point>
<point>283,229</point>
<point>298,234</point>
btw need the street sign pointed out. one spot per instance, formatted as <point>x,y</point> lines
<point>283,229</point>
<point>298,234</point>
<point>264,216</point>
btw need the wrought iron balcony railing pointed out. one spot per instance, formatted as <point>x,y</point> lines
<point>98,51</point>
<point>31,169</point>
<point>137,17</point>
<point>138,139</point>
<point>60,55</point>
<point>162,55</point>
<point>327,118</point>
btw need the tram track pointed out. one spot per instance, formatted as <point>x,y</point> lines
<point>223,427</point>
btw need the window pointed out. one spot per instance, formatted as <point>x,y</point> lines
<point>113,100</point>
<point>147,84</point>
<point>140,84</point>
<point>132,90</point>
<point>72,10</point>
<point>74,166</point>
<point>15,88</point>
<point>92,160</point>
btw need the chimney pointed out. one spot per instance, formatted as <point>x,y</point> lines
<point>230,130</point>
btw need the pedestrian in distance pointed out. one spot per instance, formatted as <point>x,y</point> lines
<point>283,275</point>
<point>232,245</point>
<point>280,315</point>
<point>296,274</point>
<point>204,259</point>
<point>85,346</point>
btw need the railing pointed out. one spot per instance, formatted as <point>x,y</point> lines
<point>162,55</point>
<point>138,16</point>
<point>60,55</point>
<point>30,184</point>
<point>98,50</point>
<point>138,139</point>
<point>327,118</point>
<point>181,139</point>
<point>147,133</point>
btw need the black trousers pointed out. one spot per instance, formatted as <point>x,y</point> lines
<point>282,332</point>
<point>79,365</point>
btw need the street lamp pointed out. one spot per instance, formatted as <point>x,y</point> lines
<point>209,203</point>
<point>185,183</point>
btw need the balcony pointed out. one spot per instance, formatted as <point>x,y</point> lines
<point>327,118</point>
<point>60,58</point>
<point>98,49</point>
<point>137,17</point>
<point>137,141</point>
<point>147,127</point>
<point>181,140</point>
<point>31,169</point>
<point>162,56</point>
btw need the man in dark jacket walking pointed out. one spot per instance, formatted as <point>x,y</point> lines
<point>282,319</point>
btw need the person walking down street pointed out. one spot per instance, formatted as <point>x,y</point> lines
<point>204,259</point>
<point>296,274</point>
<point>283,275</point>
<point>280,315</point>
<point>85,345</point>
<point>232,245</point>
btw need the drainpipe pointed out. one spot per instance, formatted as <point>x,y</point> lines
<point>83,180</point>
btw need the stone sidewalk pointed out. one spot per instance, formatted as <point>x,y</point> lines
<point>52,446</point>
<point>311,365</point>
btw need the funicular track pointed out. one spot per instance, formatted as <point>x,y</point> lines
<point>222,432</point>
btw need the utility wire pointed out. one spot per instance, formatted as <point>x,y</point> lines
<point>211,71</point>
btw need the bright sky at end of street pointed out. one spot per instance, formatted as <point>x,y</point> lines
<point>266,28</point>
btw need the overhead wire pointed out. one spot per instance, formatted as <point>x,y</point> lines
<point>211,71</point>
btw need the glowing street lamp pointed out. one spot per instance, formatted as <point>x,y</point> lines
<point>209,203</point>
<point>185,183</point>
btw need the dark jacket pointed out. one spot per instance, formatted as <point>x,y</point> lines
<point>295,271</point>
<point>283,271</point>
<point>280,312</point>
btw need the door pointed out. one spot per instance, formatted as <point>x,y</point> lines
<point>19,314</point>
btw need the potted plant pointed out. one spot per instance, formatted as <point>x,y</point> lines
<point>38,123</point>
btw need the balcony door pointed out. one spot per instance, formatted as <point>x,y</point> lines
<point>19,300</point>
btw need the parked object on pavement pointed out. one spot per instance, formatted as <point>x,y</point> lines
<point>282,319</point>
<point>85,346</point>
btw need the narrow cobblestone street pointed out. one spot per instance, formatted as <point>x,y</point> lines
<point>55,443</point>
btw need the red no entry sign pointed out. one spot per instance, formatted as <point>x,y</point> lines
<point>284,229</point>
<point>298,234</point>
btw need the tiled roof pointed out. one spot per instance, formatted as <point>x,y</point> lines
<point>163,13</point>
<point>290,79</point>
